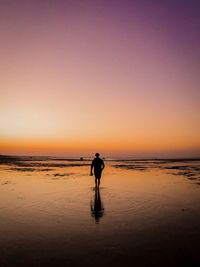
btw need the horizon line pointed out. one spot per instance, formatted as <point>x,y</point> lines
<point>107,157</point>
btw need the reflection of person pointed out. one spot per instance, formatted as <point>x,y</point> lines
<point>98,166</point>
<point>97,209</point>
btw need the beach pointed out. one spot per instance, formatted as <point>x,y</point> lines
<point>145,213</point>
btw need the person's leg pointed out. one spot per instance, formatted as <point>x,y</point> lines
<point>97,178</point>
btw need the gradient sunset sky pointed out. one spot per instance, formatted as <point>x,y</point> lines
<point>118,77</point>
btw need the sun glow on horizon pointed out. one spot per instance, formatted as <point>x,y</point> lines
<point>77,78</point>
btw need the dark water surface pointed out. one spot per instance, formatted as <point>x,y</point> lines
<point>146,213</point>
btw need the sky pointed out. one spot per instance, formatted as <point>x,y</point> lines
<point>118,77</point>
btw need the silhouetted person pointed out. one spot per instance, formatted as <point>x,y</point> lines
<point>97,209</point>
<point>98,166</point>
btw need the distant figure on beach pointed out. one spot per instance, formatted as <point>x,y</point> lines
<point>97,209</point>
<point>98,166</point>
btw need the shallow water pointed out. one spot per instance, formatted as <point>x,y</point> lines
<point>146,213</point>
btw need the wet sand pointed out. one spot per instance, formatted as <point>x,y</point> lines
<point>146,213</point>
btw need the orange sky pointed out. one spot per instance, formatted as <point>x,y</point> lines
<point>77,79</point>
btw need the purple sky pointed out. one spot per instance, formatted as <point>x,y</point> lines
<point>122,75</point>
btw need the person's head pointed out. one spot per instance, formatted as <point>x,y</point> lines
<point>97,155</point>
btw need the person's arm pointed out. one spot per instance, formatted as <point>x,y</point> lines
<point>91,173</point>
<point>103,165</point>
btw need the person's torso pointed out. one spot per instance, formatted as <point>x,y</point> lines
<point>97,163</point>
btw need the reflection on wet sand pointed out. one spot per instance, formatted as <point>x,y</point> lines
<point>47,218</point>
<point>97,208</point>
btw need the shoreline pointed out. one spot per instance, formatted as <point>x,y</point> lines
<point>44,158</point>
